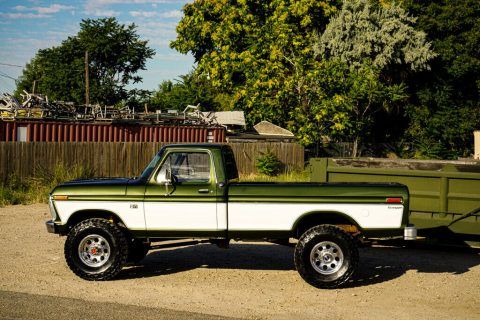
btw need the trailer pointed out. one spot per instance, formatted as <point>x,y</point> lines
<point>444,195</point>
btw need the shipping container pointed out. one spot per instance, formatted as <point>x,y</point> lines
<point>49,131</point>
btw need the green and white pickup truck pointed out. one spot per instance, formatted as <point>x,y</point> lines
<point>190,191</point>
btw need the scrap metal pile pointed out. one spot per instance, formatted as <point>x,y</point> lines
<point>38,107</point>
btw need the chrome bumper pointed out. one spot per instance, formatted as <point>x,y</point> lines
<point>51,227</point>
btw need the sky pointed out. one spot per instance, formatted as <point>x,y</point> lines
<point>29,25</point>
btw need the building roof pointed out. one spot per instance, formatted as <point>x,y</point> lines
<point>268,128</point>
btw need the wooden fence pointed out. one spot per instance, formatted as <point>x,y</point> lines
<point>116,159</point>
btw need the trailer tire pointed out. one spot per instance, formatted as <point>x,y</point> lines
<point>96,249</point>
<point>326,256</point>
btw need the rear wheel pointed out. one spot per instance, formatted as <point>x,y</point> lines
<point>96,249</point>
<point>326,256</point>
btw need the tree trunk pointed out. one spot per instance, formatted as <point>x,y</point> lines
<point>355,147</point>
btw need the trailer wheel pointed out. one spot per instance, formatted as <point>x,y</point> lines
<point>96,249</point>
<point>326,256</point>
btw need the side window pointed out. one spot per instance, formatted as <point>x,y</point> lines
<point>187,167</point>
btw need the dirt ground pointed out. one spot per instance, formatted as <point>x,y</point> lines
<point>250,280</point>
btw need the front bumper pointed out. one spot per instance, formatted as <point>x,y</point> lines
<point>52,227</point>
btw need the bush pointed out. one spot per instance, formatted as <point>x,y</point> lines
<point>269,164</point>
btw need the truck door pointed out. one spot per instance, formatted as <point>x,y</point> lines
<point>180,199</point>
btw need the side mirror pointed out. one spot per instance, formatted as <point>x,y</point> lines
<point>168,177</point>
<point>165,177</point>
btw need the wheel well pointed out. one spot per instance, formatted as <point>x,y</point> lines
<point>316,218</point>
<point>88,214</point>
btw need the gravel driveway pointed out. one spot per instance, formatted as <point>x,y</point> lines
<point>251,280</point>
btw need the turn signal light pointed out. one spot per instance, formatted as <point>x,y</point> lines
<point>394,200</point>
<point>60,197</point>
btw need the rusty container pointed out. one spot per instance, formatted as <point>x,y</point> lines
<point>33,131</point>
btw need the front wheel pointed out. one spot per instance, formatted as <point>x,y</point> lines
<point>96,249</point>
<point>326,256</point>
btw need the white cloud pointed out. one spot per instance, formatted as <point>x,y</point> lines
<point>144,14</point>
<point>54,8</point>
<point>94,4</point>
<point>103,13</point>
<point>20,8</point>
<point>37,12</point>
<point>24,15</point>
<point>171,14</point>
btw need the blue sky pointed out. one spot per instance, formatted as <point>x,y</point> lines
<point>29,25</point>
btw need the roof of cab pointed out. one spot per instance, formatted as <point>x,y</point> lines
<point>196,145</point>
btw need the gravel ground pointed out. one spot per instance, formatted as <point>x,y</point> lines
<point>250,280</point>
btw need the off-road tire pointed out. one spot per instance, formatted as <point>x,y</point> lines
<point>336,238</point>
<point>137,250</point>
<point>118,249</point>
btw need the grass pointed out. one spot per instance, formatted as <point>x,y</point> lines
<point>302,176</point>
<point>36,189</point>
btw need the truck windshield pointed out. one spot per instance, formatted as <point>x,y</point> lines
<point>148,170</point>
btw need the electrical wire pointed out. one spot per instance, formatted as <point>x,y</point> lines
<point>10,65</point>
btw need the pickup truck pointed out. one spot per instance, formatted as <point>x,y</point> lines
<point>192,191</point>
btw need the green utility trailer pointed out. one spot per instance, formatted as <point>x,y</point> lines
<point>444,195</point>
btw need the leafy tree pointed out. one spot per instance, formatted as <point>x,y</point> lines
<point>383,35</point>
<point>255,51</point>
<point>444,107</point>
<point>115,52</point>
<point>344,100</point>
<point>190,89</point>
<point>372,42</point>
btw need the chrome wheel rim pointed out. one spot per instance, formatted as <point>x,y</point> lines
<point>94,250</point>
<point>326,257</point>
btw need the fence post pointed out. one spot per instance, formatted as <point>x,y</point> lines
<point>477,144</point>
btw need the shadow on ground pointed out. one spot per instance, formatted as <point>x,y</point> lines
<point>377,264</point>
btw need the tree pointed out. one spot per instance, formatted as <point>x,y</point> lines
<point>385,36</point>
<point>255,51</point>
<point>444,108</point>
<point>374,43</point>
<point>343,101</point>
<point>115,53</point>
<point>190,89</point>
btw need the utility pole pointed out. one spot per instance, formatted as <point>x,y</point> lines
<point>87,81</point>
<point>34,86</point>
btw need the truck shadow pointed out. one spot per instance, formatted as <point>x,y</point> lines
<point>377,264</point>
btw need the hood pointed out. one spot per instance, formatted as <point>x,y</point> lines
<point>93,187</point>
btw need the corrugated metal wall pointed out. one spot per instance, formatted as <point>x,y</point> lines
<point>106,132</point>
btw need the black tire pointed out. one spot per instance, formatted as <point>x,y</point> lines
<point>137,250</point>
<point>104,234</point>
<point>334,253</point>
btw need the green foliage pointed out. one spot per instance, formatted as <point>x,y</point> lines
<point>262,54</point>
<point>268,164</point>
<point>115,52</point>
<point>255,51</point>
<point>444,108</point>
<point>385,36</point>
<point>303,176</point>
<point>344,99</point>
<point>191,89</point>
<point>36,189</point>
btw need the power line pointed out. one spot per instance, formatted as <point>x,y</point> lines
<point>7,76</point>
<point>10,65</point>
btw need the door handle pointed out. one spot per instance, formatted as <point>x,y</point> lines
<point>203,191</point>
